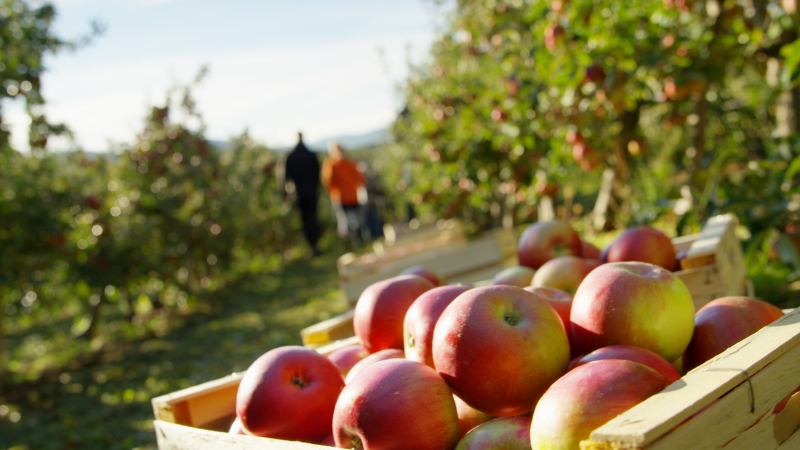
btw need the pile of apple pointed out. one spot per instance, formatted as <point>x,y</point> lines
<point>520,363</point>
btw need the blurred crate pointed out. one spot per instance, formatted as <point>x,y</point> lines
<point>730,401</point>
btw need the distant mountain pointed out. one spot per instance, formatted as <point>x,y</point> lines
<point>355,141</point>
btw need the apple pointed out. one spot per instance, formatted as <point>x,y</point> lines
<point>564,273</point>
<point>631,353</point>
<point>381,355</point>
<point>559,300</point>
<point>381,308</point>
<point>544,241</point>
<point>506,433</point>
<point>632,303</point>
<point>499,347</point>
<point>498,115</point>
<point>423,272</point>
<point>643,244</point>
<point>587,397</point>
<point>289,393</point>
<point>589,250</point>
<point>595,74</point>
<point>396,405</point>
<point>553,33</point>
<point>346,357</point>
<point>519,276</point>
<point>421,318</point>
<point>469,417</point>
<point>329,441</point>
<point>725,321</point>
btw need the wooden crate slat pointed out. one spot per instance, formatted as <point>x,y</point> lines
<point>338,327</point>
<point>171,436</point>
<point>657,416</point>
<point>772,430</point>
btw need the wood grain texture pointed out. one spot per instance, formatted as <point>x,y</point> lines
<point>713,400</point>
<point>172,436</point>
<point>338,327</point>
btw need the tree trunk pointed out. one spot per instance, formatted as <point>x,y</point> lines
<point>94,318</point>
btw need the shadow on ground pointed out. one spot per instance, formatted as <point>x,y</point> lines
<point>107,405</point>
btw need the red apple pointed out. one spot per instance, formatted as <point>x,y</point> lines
<point>724,322</point>
<point>506,433</point>
<point>381,308</point>
<point>631,353</point>
<point>589,250</point>
<point>564,273</point>
<point>643,244</point>
<point>469,417</point>
<point>553,33</point>
<point>544,241</point>
<point>632,303</point>
<point>519,276</point>
<point>289,393</point>
<point>396,405</point>
<point>587,397</point>
<point>346,357</point>
<point>421,318</point>
<point>424,272</point>
<point>558,299</point>
<point>381,355</point>
<point>595,74</point>
<point>329,441</point>
<point>499,347</point>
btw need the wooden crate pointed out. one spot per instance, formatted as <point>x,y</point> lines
<point>457,261</point>
<point>728,402</point>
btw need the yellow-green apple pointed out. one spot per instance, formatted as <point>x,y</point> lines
<point>643,244</point>
<point>423,272</point>
<point>421,318</point>
<point>544,241</point>
<point>346,357</point>
<point>499,347</point>
<point>632,303</point>
<point>519,276</point>
<point>558,299</point>
<point>503,433</point>
<point>469,417</point>
<point>564,273</point>
<point>380,355</point>
<point>396,405</point>
<point>381,308</point>
<point>587,397</point>
<point>289,393</point>
<point>630,353</point>
<point>589,250</point>
<point>724,322</point>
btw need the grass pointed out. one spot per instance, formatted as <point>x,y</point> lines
<point>106,403</point>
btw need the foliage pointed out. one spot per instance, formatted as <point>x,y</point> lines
<point>525,99</point>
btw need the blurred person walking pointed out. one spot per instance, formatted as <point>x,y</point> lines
<point>302,176</point>
<point>345,185</point>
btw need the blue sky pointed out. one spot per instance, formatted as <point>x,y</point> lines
<point>327,67</point>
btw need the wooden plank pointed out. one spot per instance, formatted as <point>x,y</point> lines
<point>338,327</point>
<point>180,406</point>
<point>772,430</point>
<point>171,436</point>
<point>660,414</point>
<point>731,415</point>
<point>447,262</point>
<point>327,349</point>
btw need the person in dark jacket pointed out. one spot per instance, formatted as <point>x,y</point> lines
<point>303,172</point>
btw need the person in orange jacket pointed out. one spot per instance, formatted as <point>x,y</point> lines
<point>345,185</point>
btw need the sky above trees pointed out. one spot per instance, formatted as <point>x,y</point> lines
<point>325,67</point>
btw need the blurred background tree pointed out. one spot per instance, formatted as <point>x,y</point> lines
<point>691,108</point>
